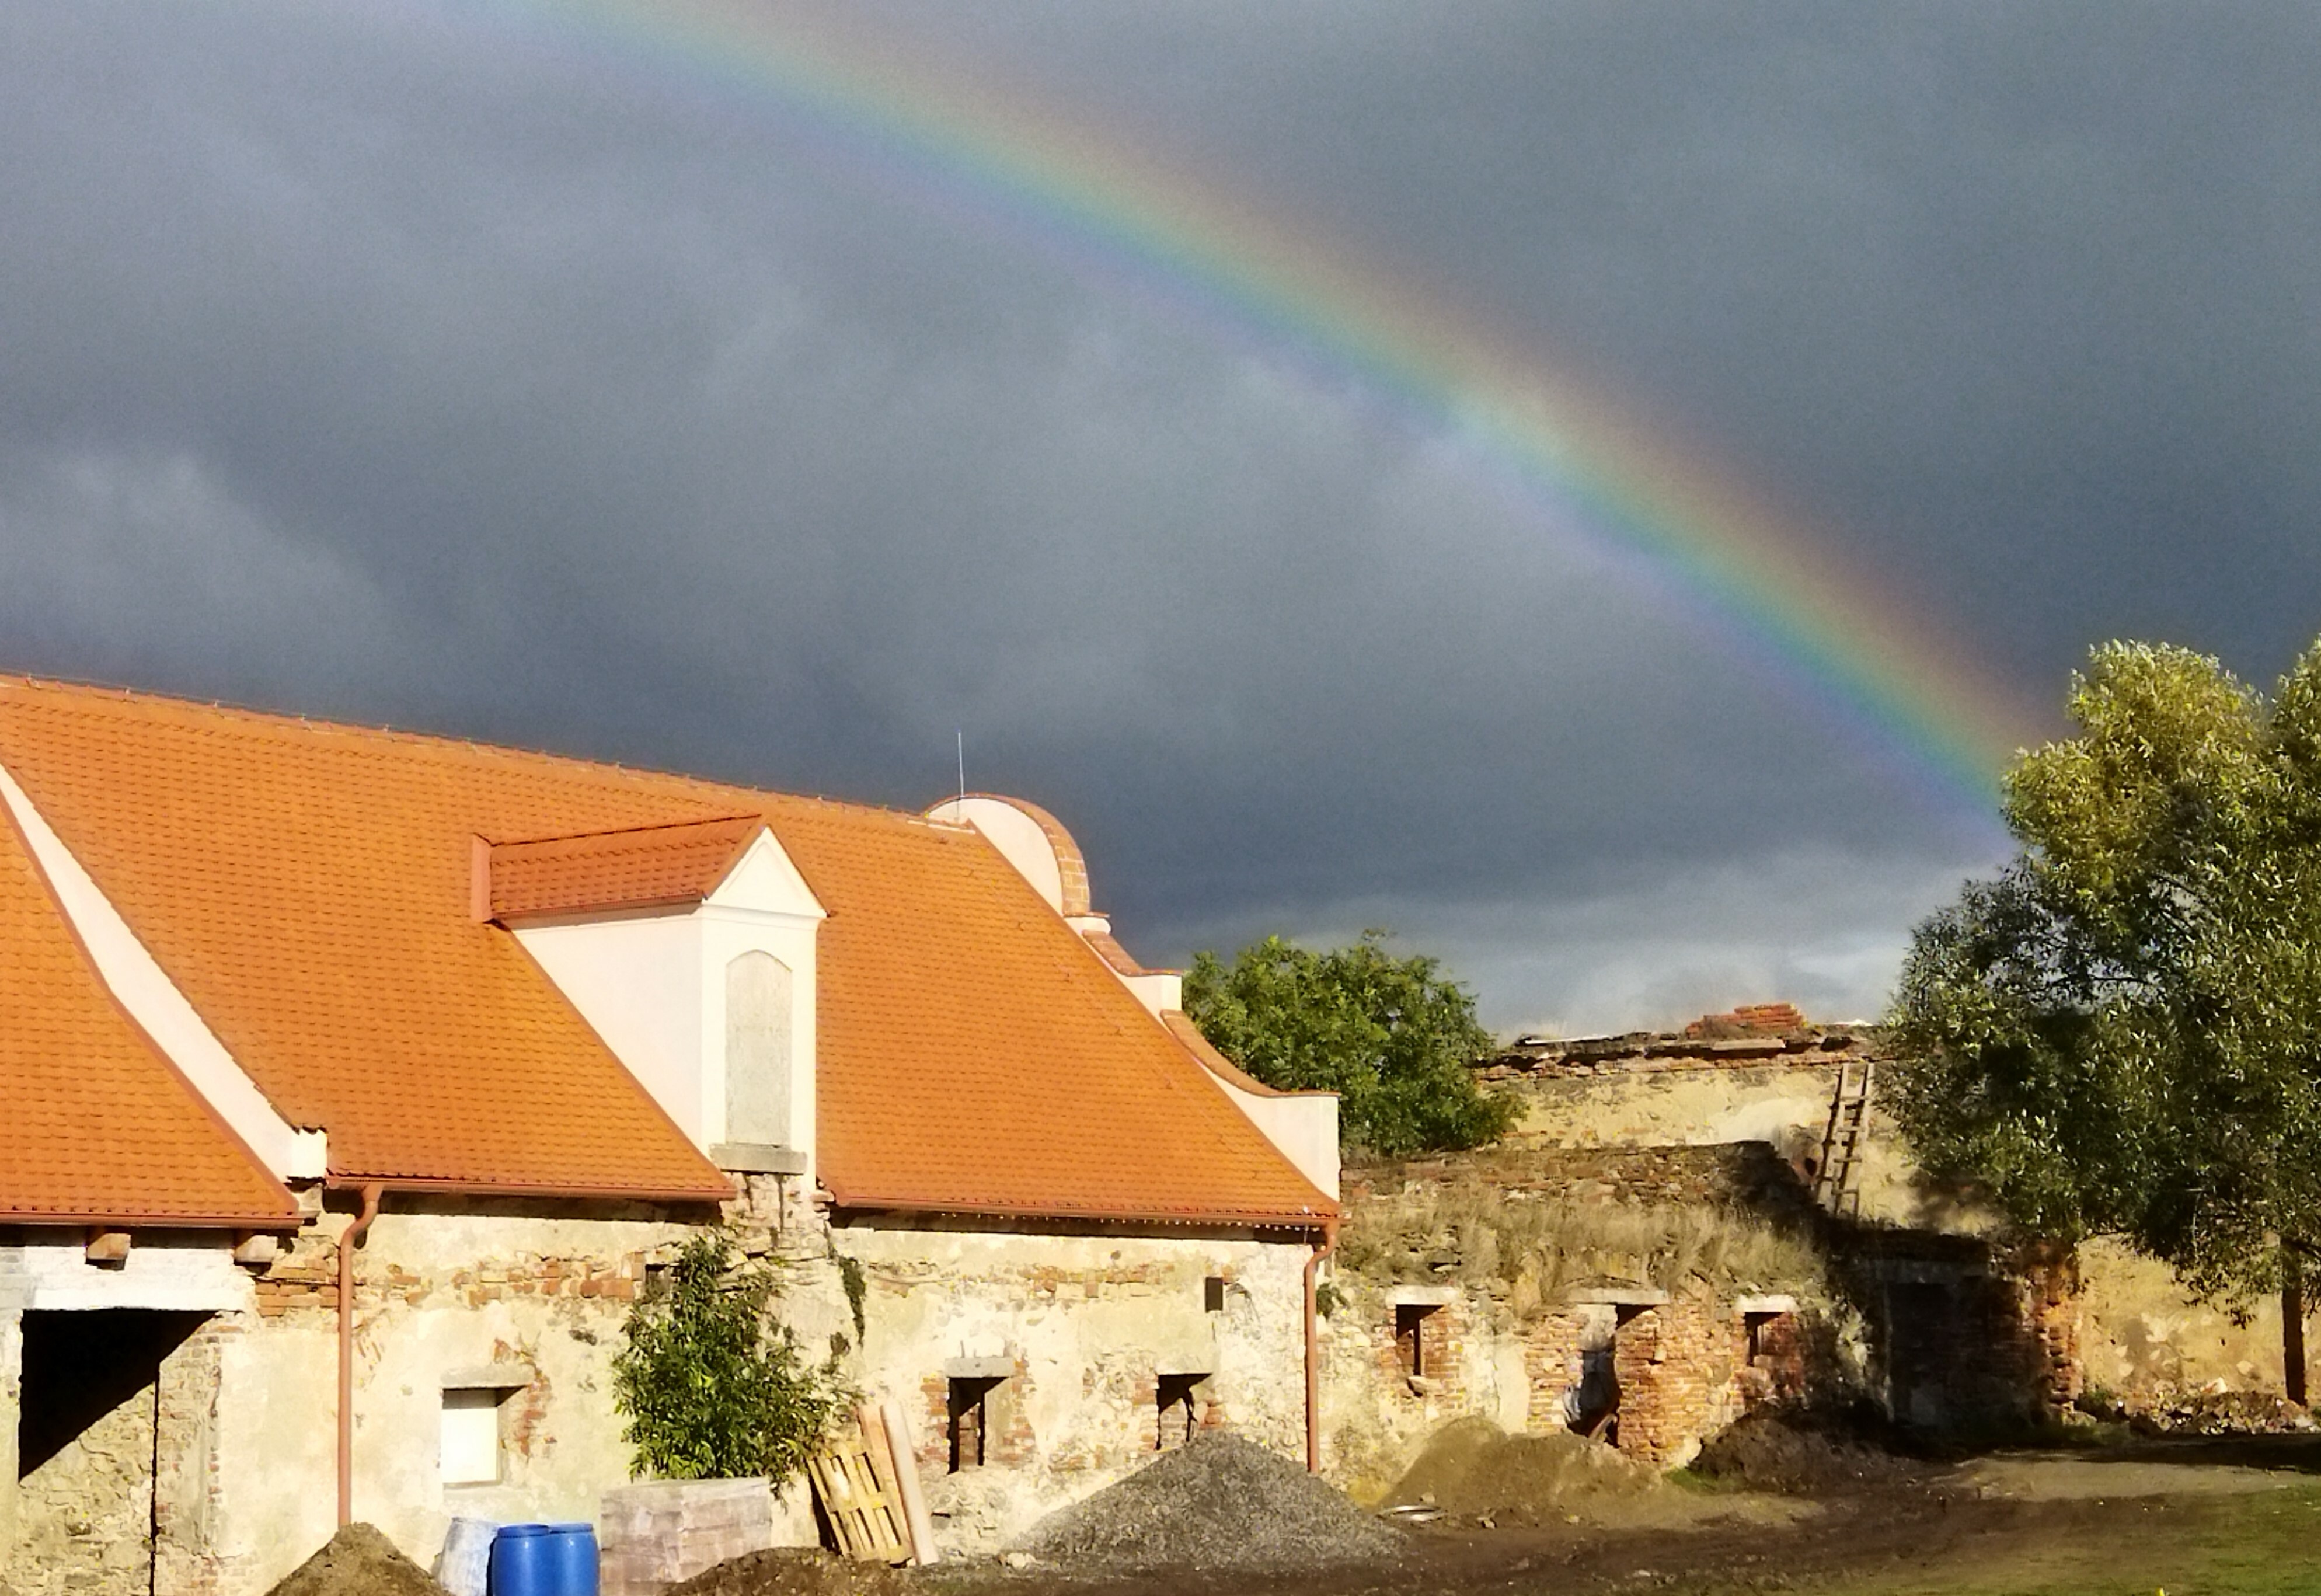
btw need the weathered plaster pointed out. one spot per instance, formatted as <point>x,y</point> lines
<point>12,1367</point>
<point>1084,1328</point>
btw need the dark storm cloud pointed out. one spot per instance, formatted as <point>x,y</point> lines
<point>422,372</point>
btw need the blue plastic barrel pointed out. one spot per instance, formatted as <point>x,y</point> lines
<point>572,1560</point>
<point>522,1561</point>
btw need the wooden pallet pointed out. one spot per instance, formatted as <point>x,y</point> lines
<point>858,1494</point>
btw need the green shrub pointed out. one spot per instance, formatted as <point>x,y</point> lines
<point>711,1385</point>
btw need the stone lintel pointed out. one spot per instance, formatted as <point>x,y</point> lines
<point>757,1158</point>
<point>1619,1296</point>
<point>488,1377</point>
<point>1000,1368</point>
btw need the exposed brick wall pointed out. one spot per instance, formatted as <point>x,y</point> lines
<point>305,1279</point>
<point>1676,1364</point>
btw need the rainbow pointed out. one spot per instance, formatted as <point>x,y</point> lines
<point>1863,653</point>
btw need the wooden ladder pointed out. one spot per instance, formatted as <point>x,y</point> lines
<point>1838,1183</point>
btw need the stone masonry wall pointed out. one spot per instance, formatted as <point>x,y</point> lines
<point>1071,1339</point>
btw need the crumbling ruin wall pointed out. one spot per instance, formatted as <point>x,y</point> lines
<point>2025,1330</point>
<point>1445,1247</point>
<point>2147,1344</point>
<point>1644,1090</point>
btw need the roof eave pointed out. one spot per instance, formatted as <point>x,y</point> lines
<point>460,1186</point>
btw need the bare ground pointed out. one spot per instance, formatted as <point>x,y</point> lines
<point>2228,1515</point>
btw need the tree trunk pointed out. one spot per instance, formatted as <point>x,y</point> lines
<point>2292,1324</point>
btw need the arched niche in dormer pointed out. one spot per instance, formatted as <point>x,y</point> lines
<point>760,992</point>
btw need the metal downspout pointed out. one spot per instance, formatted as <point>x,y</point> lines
<point>348,1240</point>
<point>1314,1348</point>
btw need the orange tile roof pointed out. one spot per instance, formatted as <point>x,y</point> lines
<point>100,1127</point>
<point>638,867</point>
<point>308,886</point>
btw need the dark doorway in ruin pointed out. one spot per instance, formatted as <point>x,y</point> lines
<point>1176,1397</point>
<point>89,1440</point>
<point>81,1367</point>
<point>1922,1340</point>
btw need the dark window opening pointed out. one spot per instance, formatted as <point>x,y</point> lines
<point>1180,1414</point>
<point>1410,1337</point>
<point>1764,1336</point>
<point>967,1426</point>
<point>1212,1293</point>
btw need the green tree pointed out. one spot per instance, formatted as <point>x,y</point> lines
<point>1392,1036</point>
<point>711,1386</point>
<point>2121,1034</point>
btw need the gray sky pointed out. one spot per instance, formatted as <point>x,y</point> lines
<point>453,368</point>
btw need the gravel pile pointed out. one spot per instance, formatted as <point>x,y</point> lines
<point>1217,1503</point>
<point>358,1561</point>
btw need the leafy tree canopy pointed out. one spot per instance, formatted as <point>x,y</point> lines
<point>711,1386</point>
<point>2122,1033</point>
<point>1392,1036</point>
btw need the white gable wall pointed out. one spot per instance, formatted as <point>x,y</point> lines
<point>654,987</point>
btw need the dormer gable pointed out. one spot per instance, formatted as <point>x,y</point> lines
<point>691,950</point>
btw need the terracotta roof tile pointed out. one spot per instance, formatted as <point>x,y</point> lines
<point>308,887</point>
<point>100,1127</point>
<point>638,867</point>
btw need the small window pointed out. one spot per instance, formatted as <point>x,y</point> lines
<point>1766,1333</point>
<point>471,1435</point>
<point>968,1424</point>
<point>1410,1336</point>
<point>1212,1293</point>
<point>1180,1411</point>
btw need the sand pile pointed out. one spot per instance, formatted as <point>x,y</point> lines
<point>1217,1503</point>
<point>1805,1455</point>
<point>794,1571</point>
<point>358,1561</point>
<point>1473,1470</point>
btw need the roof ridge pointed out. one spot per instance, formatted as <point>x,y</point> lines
<point>739,817</point>
<point>291,721</point>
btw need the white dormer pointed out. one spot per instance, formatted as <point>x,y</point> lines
<point>690,949</point>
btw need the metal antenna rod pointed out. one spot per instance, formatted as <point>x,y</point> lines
<point>962,772</point>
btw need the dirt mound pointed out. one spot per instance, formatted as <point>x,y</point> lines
<point>358,1561</point>
<point>790,1571</point>
<point>1217,1503</point>
<point>1472,1469</point>
<point>1805,1455</point>
<point>2221,1413</point>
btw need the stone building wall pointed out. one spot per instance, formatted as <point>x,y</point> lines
<point>1069,1344</point>
<point>222,1462</point>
